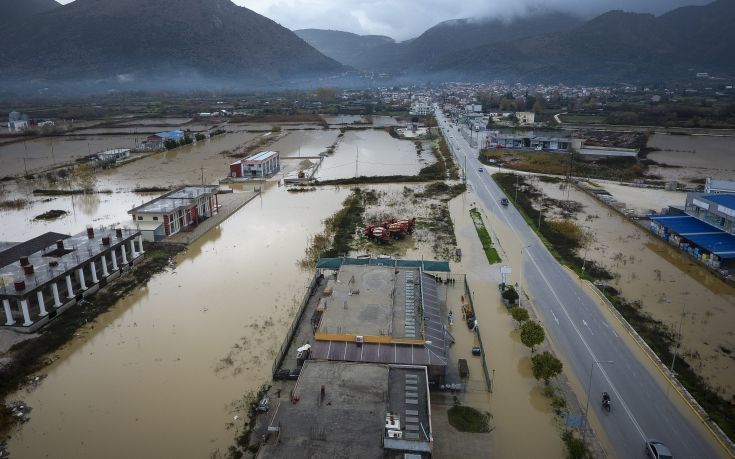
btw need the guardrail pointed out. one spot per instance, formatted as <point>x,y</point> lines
<point>488,379</point>
<point>292,329</point>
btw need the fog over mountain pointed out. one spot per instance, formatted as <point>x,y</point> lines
<point>156,43</point>
<point>406,19</point>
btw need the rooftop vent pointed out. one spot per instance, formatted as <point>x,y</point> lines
<point>20,285</point>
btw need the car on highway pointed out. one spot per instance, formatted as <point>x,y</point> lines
<point>657,450</point>
<point>480,169</point>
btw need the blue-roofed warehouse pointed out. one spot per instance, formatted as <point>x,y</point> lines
<point>706,229</point>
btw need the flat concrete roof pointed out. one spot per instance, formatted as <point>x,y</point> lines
<point>177,199</point>
<point>79,249</point>
<point>373,301</point>
<point>350,419</point>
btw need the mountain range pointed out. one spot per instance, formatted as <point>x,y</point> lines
<point>444,39</point>
<point>550,46</point>
<point>155,43</point>
<point>199,44</point>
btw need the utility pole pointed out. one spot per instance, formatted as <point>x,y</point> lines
<point>202,169</point>
<point>516,188</point>
<point>539,219</point>
<point>357,159</point>
<point>678,341</point>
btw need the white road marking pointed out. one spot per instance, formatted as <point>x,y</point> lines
<point>569,318</point>
<point>587,325</point>
<point>552,313</point>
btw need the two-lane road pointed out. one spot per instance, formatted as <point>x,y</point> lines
<point>641,407</point>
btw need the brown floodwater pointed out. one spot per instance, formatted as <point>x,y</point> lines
<point>178,166</point>
<point>158,375</point>
<point>38,154</point>
<point>517,404</point>
<point>375,153</point>
<point>698,156</point>
<point>305,143</point>
<point>665,282</point>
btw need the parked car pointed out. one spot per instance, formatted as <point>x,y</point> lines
<point>285,373</point>
<point>264,405</point>
<point>657,450</point>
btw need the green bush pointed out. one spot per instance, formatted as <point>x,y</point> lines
<point>510,294</point>
<point>467,419</point>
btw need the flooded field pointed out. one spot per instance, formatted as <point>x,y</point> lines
<point>167,364</point>
<point>156,121</point>
<point>37,154</point>
<point>643,200</point>
<point>185,165</point>
<point>343,119</point>
<point>305,143</point>
<point>665,282</point>
<point>181,165</point>
<point>698,156</point>
<point>374,152</point>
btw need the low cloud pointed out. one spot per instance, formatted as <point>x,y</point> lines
<point>404,19</point>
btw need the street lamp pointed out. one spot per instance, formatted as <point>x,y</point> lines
<point>589,387</point>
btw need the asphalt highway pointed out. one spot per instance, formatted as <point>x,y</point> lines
<point>642,408</point>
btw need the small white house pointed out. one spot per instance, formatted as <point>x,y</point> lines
<point>17,125</point>
<point>116,154</point>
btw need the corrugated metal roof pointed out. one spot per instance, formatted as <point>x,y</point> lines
<point>706,236</point>
<point>426,265</point>
<point>262,156</point>
<point>727,200</point>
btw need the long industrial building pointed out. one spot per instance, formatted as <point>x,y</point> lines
<point>44,276</point>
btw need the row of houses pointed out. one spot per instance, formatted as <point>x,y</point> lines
<point>552,143</point>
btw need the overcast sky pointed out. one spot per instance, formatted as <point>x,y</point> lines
<point>403,19</point>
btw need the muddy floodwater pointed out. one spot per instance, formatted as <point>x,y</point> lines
<point>157,376</point>
<point>667,283</point>
<point>372,153</point>
<point>697,156</point>
<point>517,404</point>
<point>37,154</point>
<point>305,143</point>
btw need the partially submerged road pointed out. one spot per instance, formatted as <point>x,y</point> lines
<point>642,407</point>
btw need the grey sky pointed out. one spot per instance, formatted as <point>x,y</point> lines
<point>403,19</point>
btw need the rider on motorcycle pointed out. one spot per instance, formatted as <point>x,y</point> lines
<point>605,400</point>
